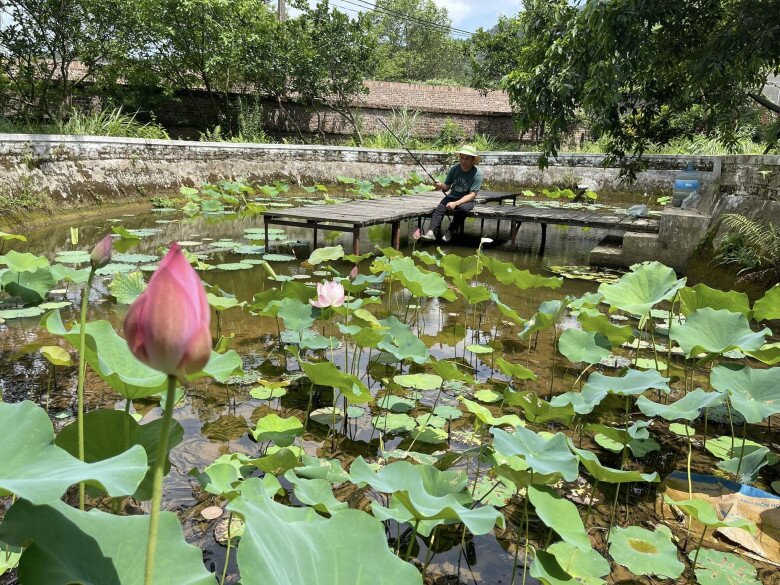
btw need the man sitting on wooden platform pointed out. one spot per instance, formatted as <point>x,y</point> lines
<point>464,180</point>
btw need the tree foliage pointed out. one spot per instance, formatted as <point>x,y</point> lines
<point>636,67</point>
<point>415,43</point>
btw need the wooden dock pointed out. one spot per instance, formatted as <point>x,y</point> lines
<point>352,216</point>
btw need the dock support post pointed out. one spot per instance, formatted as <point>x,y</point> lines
<point>265,225</point>
<point>544,239</point>
<point>356,241</point>
<point>513,231</point>
<point>395,235</point>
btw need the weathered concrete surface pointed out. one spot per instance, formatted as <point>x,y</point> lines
<point>679,233</point>
<point>74,170</point>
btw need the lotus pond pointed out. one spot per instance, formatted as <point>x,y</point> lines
<point>464,415</point>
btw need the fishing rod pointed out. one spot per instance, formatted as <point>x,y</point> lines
<point>394,135</point>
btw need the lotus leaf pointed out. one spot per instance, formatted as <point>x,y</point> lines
<point>496,493</point>
<point>688,407</point>
<point>546,316</point>
<point>282,431</point>
<point>72,257</point>
<point>56,355</point>
<point>223,303</point>
<point>488,395</point>
<point>429,435</point>
<point>115,268</point>
<point>36,469</point>
<point>328,254</point>
<point>404,345</point>
<point>543,455</point>
<point>641,289</point>
<point>632,383</point>
<point>700,296</point>
<point>583,565</point>
<point>547,570</point>
<point>327,374</point>
<point>600,472</point>
<point>396,404</point>
<point>538,410</point>
<point>5,236</point>
<point>296,315</point>
<point>645,552</point>
<point>23,261</point>
<point>750,464</point>
<point>681,429</point>
<point>507,273</point>
<point>428,493</point>
<point>419,381</point>
<point>726,447</point>
<point>105,441</point>
<point>30,286</point>
<point>21,313</point>
<point>716,331</point>
<point>516,371</point>
<point>473,293</point>
<point>583,346</point>
<point>419,282</point>
<point>449,371</point>
<point>316,493</point>
<point>486,417</point>
<point>601,324</point>
<point>126,287</point>
<point>560,515</point>
<point>394,423</point>
<point>109,356</point>
<point>267,393</point>
<point>447,412</point>
<point>461,267</point>
<point>65,545</point>
<point>278,257</point>
<point>134,258</point>
<point>754,393</point>
<point>506,310</point>
<point>722,568</point>
<point>77,276</point>
<point>769,354</point>
<point>768,307</point>
<point>704,512</point>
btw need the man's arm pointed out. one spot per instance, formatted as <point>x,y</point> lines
<point>441,186</point>
<point>465,199</point>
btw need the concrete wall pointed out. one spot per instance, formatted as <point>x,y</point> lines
<point>73,170</point>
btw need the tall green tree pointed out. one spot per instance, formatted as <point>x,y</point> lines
<point>48,48</point>
<point>415,44</point>
<point>635,67</point>
<point>493,52</point>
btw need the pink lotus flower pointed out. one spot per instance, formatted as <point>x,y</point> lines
<point>417,233</point>
<point>353,273</point>
<point>329,294</point>
<point>167,327</point>
<point>101,253</point>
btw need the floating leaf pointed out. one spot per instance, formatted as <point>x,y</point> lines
<point>584,565</point>
<point>72,257</point>
<point>646,552</point>
<point>688,407</point>
<point>56,355</point>
<point>722,568</point>
<point>327,254</point>
<point>600,323</point>
<point>36,469</point>
<point>396,404</point>
<point>23,261</point>
<point>282,431</point>
<point>486,417</point>
<point>114,268</point>
<point>394,423</point>
<point>479,349</point>
<point>704,512</point>
<point>30,286</point>
<point>516,371</point>
<point>419,381</point>
<point>21,313</point>
<point>126,287</point>
<point>316,493</point>
<point>278,258</point>
<point>600,472</point>
<point>231,266</point>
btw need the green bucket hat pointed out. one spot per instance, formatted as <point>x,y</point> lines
<point>469,150</point>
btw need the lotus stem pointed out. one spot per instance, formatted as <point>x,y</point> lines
<point>517,549</point>
<point>429,553</point>
<point>614,507</point>
<point>706,420</point>
<point>741,448</point>
<point>227,554</point>
<point>696,556</point>
<point>308,407</point>
<point>412,539</point>
<point>590,503</point>
<point>555,350</point>
<point>82,376</point>
<point>126,429</point>
<point>159,468</point>
<point>525,517</point>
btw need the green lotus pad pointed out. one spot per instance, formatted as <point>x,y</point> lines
<point>65,545</point>
<point>428,493</point>
<point>36,469</point>
<point>645,552</point>
<point>350,547</point>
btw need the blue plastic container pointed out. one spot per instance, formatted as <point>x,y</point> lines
<point>685,183</point>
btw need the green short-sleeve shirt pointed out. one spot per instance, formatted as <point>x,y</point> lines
<point>463,183</point>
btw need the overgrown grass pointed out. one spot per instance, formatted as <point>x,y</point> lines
<point>698,145</point>
<point>106,122</point>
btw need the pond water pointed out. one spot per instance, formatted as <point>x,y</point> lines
<point>218,418</point>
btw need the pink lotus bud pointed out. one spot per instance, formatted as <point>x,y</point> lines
<point>353,273</point>
<point>167,327</point>
<point>101,253</point>
<point>329,294</point>
<point>417,233</point>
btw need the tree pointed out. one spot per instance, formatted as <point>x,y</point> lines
<point>415,43</point>
<point>48,48</point>
<point>635,67</point>
<point>493,53</point>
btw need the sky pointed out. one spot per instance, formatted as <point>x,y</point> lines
<point>465,14</point>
